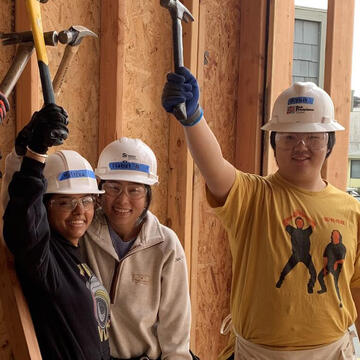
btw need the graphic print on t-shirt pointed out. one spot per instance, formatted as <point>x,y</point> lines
<point>101,301</point>
<point>300,248</point>
<point>334,256</point>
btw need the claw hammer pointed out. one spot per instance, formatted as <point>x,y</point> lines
<point>33,7</point>
<point>178,13</point>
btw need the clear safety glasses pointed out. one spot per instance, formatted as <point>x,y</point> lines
<point>314,141</point>
<point>132,191</point>
<point>70,204</point>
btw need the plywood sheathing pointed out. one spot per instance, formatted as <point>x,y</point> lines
<point>7,128</point>
<point>147,60</point>
<point>80,90</point>
<point>7,131</point>
<point>220,57</point>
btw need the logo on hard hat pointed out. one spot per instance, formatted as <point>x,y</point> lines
<point>70,174</point>
<point>128,156</point>
<point>125,165</point>
<point>294,108</point>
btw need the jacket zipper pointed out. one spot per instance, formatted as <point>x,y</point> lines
<point>116,275</point>
<point>114,282</point>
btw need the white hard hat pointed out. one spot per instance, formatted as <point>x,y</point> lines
<point>303,107</point>
<point>67,172</point>
<point>128,160</point>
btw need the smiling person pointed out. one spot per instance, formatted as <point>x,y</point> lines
<point>140,261</point>
<point>279,228</point>
<point>51,205</point>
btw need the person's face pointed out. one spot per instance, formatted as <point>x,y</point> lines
<point>299,223</point>
<point>300,156</point>
<point>335,237</point>
<point>70,215</point>
<point>123,203</point>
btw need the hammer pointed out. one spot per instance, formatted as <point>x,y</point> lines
<point>72,37</point>
<point>34,13</point>
<point>50,37</point>
<point>178,13</point>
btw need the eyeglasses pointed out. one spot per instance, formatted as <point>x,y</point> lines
<point>132,191</point>
<point>314,141</point>
<point>70,204</point>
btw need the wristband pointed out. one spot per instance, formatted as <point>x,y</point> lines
<point>35,153</point>
<point>194,118</point>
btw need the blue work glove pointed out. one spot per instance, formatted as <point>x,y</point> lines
<point>49,128</point>
<point>4,106</point>
<point>182,87</point>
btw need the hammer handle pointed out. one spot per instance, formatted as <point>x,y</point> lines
<point>63,68</point>
<point>33,7</point>
<point>22,57</point>
<point>179,110</point>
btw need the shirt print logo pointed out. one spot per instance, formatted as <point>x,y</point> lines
<point>142,279</point>
<point>101,301</point>
<point>333,255</point>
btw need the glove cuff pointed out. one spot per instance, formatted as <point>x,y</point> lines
<point>194,118</point>
<point>39,151</point>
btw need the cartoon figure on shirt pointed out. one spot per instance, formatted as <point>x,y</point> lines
<point>300,242</point>
<point>101,301</point>
<point>334,256</point>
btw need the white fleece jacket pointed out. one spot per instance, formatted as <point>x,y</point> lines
<point>150,303</point>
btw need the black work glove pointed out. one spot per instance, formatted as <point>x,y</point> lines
<point>4,106</point>
<point>47,127</point>
<point>180,87</point>
<point>23,138</point>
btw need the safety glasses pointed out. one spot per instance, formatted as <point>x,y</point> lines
<point>70,204</point>
<point>132,191</point>
<point>314,141</point>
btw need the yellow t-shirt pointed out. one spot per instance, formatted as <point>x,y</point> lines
<point>311,238</point>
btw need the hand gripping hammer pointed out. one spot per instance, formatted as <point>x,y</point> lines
<point>178,13</point>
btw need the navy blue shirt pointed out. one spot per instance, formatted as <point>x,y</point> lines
<point>69,306</point>
<point>121,247</point>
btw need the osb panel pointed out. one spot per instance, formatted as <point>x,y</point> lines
<point>80,90</point>
<point>147,60</point>
<point>220,87</point>
<point>7,131</point>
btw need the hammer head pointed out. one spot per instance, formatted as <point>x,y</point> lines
<point>177,9</point>
<point>74,35</point>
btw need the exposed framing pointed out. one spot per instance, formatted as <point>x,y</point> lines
<point>111,71</point>
<point>337,83</point>
<point>279,65</point>
<point>252,65</point>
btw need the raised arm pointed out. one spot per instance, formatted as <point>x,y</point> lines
<point>218,173</point>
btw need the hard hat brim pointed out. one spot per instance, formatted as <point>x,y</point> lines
<point>131,177</point>
<point>302,128</point>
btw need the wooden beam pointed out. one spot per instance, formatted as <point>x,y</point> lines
<point>337,83</point>
<point>180,184</point>
<point>27,88</point>
<point>20,328</point>
<point>279,65</point>
<point>252,63</point>
<point>181,170</point>
<point>112,39</point>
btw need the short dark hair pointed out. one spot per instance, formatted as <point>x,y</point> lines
<point>330,144</point>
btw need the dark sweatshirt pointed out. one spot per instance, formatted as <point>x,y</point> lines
<point>68,304</point>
